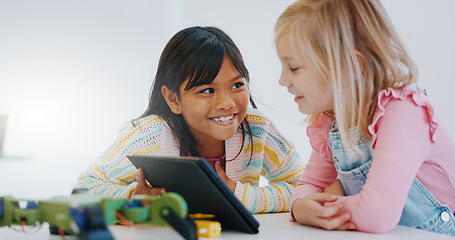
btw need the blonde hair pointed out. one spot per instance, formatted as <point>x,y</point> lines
<point>356,49</point>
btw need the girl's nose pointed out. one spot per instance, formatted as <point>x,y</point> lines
<point>284,81</point>
<point>224,101</point>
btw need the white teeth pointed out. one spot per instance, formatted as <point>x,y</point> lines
<point>223,119</point>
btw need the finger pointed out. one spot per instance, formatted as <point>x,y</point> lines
<point>143,187</point>
<point>155,191</point>
<point>330,211</point>
<point>347,226</point>
<point>219,170</point>
<point>323,197</point>
<point>140,179</point>
<point>335,222</point>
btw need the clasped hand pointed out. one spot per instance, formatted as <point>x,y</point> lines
<point>313,211</point>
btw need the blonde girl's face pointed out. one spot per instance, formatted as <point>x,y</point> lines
<point>300,76</point>
<point>213,112</point>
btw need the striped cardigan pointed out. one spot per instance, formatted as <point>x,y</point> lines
<point>273,157</point>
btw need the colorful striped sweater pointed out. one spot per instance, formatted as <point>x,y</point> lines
<point>273,157</point>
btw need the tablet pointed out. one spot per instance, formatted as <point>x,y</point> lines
<point>200,185</point>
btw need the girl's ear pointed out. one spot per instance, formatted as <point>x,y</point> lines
<point>171,100</point>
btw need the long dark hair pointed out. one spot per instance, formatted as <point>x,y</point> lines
<point>194,53</point>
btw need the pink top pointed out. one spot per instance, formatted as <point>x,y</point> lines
<point>213,161</point>
<point>408,140</point>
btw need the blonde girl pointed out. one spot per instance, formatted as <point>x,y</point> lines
<point>369,124</point>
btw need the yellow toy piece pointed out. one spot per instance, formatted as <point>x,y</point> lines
<point>208,229</point>
<point>201,216</point>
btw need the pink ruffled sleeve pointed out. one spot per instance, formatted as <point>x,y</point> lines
<point>403,129</point>
<point>319,136</point>
<point>417,97</point>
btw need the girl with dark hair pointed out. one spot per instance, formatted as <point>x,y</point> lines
<point>200,105</point>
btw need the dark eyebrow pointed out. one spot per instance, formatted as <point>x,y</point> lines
<point>232,80</point>
<point>238,77</point>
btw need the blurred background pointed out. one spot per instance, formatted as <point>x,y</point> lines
<point>72,73</point>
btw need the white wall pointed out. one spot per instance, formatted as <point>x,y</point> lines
<point>73,72</point>
<point>428,30</point>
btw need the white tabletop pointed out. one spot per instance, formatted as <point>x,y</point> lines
<point>272,226</point>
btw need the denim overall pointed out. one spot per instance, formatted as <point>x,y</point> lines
<point>421,209</point>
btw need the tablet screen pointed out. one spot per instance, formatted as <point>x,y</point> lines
<point>200,186</point>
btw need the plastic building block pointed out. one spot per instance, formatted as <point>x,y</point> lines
<point>9,204</point>
<point>185,227</point>
<point>1,209</point>
<point>208,229</point>
<point>172,200</point>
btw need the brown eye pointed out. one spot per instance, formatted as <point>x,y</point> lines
<point>237,85</point>
<point>208,90</point>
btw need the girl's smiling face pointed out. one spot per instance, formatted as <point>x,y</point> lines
<point>312,92</point>
<point>214,111</point>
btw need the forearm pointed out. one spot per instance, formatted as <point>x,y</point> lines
<point>273,198</point>
<point>104,186</point>
<point>112,177</point>
<point>276,196</point>
<point>319,174</point>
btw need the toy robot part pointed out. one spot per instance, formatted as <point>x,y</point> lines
<point>171,200</point>
<point>95,226</point>
<point>88,215</point>
<point>208,229</point>
<point>1,209</point>
<point>185,227</point>
<point>201,216</point>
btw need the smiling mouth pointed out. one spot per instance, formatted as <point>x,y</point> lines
<point>223,119</point>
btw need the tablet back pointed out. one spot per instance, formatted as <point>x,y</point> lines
<point>200,185</point>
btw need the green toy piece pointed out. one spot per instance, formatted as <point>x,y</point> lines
<point>88,214</point>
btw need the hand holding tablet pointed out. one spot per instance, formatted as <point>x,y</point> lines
<point>200,186</point>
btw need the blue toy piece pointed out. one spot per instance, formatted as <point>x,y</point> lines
<point>31,205</point>
<point>1,209</point>
<point>94,228</point>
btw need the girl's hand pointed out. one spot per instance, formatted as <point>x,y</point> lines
<point>311,211</point>
<point>143,187</point>
<point>336,188</point>
<point>231,184</point>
